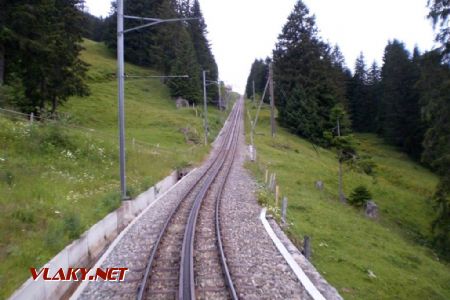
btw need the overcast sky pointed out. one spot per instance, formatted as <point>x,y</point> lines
<point>242,30</point>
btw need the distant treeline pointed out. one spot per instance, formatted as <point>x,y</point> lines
<point>40,43</point>
<point>406,100</point>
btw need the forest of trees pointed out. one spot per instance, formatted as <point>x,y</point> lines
<point>406,100</point>
<point>39,61</point>
<point>259,74</point>
<point>40,66</point>
<point>179,48</point>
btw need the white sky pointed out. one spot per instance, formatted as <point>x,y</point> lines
<point>242,30</point>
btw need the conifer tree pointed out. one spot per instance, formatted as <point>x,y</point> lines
<point>400,114</point>
<point>45,55</point>
<point>373,94</point>
<point>185,64</point>
<point>306,90</point>
<point>358,95</point>
<point>439,13</point>
<point>259,74</point>
<point>434,86</point>
<point>205,58</point>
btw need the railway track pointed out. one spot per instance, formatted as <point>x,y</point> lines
<point>187,261</point>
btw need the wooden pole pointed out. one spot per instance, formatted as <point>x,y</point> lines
<point>340,175</point>
<point>272,100</point>
<point>307,247</point>
<point>277,194</point>
<point>284,210</point>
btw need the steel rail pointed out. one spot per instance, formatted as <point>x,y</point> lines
<point>142,287</point>
<point>187,283</point>
<point>223,258</point>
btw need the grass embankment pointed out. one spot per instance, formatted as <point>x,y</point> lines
<point>56,180</point>
<point>348,247</point>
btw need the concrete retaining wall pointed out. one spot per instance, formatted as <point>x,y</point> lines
<point>86,250</point>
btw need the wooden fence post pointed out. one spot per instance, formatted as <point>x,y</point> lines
<point>307,247</point>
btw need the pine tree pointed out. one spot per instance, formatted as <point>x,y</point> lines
<point>4,35</point>
<point>259,74</point>
<point>374,95</point>
<point>45,55</point>
<point>434,87</point>
<point>358,96</point>
<point>439,13</point>
<point>400,114</point>
<point>94,27</point>
<point>205,58</point>
<point>342,141</point>
<point>185,64</point>
<point>306,89</point>
<point>341,76</point>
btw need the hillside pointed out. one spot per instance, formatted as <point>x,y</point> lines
<point>59,178</point>
<point>347,246</point>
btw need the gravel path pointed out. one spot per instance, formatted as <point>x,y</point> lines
<point>258,269</point>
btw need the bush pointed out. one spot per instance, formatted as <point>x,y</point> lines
<point>359,196</point>
<point>72,226</point>
<point>56,136</point>
<point>365,164</point>
<point>7,177</point>
<point>24,215</point>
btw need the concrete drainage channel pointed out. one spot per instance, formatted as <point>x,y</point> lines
<point>85,251</point>
<point>317,287</point>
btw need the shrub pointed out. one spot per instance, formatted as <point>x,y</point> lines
<point>24,215</point>
<point>365,164</point>
<point>111,201</point>
<point>7,177</point>
<point>56,136</point>
<point>72,225</point>
<point>359,196</point>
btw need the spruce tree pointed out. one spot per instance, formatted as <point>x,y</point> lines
<point>185,64</point>
<point>45,55</point>
<point>439,13</point>
<point>259,73</point>
<point>358,96</point>
<point>400,114</point>
<point>374,95</point>
<point>434,87</point>
<point>306,90</point>
<point>205,58</point>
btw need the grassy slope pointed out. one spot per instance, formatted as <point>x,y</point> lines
<point>56,180</point>
<point>345,244</point>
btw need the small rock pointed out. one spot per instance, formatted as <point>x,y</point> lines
<point>319,185</point>
<point>180,102</point>
<point>371,209</point>
<point>371,274</point>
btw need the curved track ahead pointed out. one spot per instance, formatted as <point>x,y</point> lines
<point>177,261</point>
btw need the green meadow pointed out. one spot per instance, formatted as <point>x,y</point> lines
<point>386,258</point>
<point>59,178</point>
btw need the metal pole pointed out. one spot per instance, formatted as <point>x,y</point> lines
<point>220,94</point>
<point>205,109</point>
<point>253,91</point>
<point>340,179</point>
<point>121,84</point>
